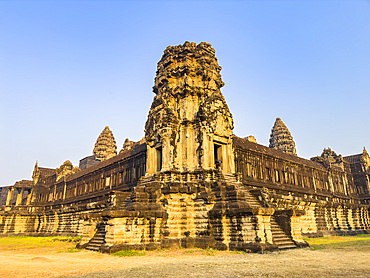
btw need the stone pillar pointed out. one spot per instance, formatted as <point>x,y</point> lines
<point>65,189</point>
<point>150,161</point>
<point>295,226</point>
<point>19,197</point>
<point>230,158</point>
<point>263,227</point>
<point>166,153</point>
<point>29,198</point>
<point>9,198</point>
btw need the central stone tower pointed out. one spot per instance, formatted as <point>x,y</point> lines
<point>189,126</point>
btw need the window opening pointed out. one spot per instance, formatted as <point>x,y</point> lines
<point>159,159</point>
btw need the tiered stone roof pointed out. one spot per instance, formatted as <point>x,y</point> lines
<point>105,146</point>
<point>281,139</point>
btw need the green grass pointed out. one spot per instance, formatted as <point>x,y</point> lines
<point>240,252</point>
<point>29,242</point>
<point>208,251</point>
<point>128,253</point>
<point>191,251</point>
<point>345,243</point>
<point>70,250</point>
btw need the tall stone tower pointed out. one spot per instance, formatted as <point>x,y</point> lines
<point>189,124</point>
<point>105,146</point>
<point>281,139</point>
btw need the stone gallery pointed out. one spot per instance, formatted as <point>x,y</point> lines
<point>190,182</point>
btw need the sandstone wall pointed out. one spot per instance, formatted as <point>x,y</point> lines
<point>326,197</point>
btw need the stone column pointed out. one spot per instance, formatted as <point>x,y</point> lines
<point>150,162</point>
<point>9,198</point>
<point>166,152</point>
<point>230,157</point>
<point>19,197</point>
<point>65,189</point>
<point>29,197</point>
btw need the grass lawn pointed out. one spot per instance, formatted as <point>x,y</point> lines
<point>345,243</point>
<point>27,242</point>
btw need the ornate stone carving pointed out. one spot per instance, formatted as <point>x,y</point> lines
<point>281,139</point>
<point>251,138</point>
<point>188,112</point>
<point>66,169</point>
<point>328,158</point>
<point>36,173</point>
<point>127,145</point>
<point>365,159</point>
<point>105,146</point>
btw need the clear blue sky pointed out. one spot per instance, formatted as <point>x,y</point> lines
<point>69,68</point>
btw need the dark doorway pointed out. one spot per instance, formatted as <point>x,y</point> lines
<point>159,159</point>
<point>217,155</point>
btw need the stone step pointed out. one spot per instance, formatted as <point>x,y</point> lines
<point>95,244</point>
<point>100,236</point>
<point>92,248</point>
<point>96,240</point>
<point>276,228</point>
<point>279,235</point>
<point>282,241</point>
<point>287,247</point>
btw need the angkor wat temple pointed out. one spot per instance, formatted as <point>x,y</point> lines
<point>190,182</point>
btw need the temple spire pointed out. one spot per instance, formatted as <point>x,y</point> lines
<point>105,146</point>
<point>281,139</point>
<point>36,172</point>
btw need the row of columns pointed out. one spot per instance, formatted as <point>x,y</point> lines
<point>18,202</point>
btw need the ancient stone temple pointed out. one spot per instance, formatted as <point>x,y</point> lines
<point>190,182</point>
<point>281,139</point>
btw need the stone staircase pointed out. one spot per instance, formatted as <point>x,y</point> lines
<point>98,239</point>
<point>279,237</point>
<point>249,198</point>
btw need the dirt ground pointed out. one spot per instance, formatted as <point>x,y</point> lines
<point>60,260</point>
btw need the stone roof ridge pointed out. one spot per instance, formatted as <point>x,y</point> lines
<point>46,171</point>
<point>105,146</point>
<point>330,159</point>
<point>358,158</point>
<point>24,183</point>
<point>281,139</point>
<point>137,148</point>
<point>242,142</point>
